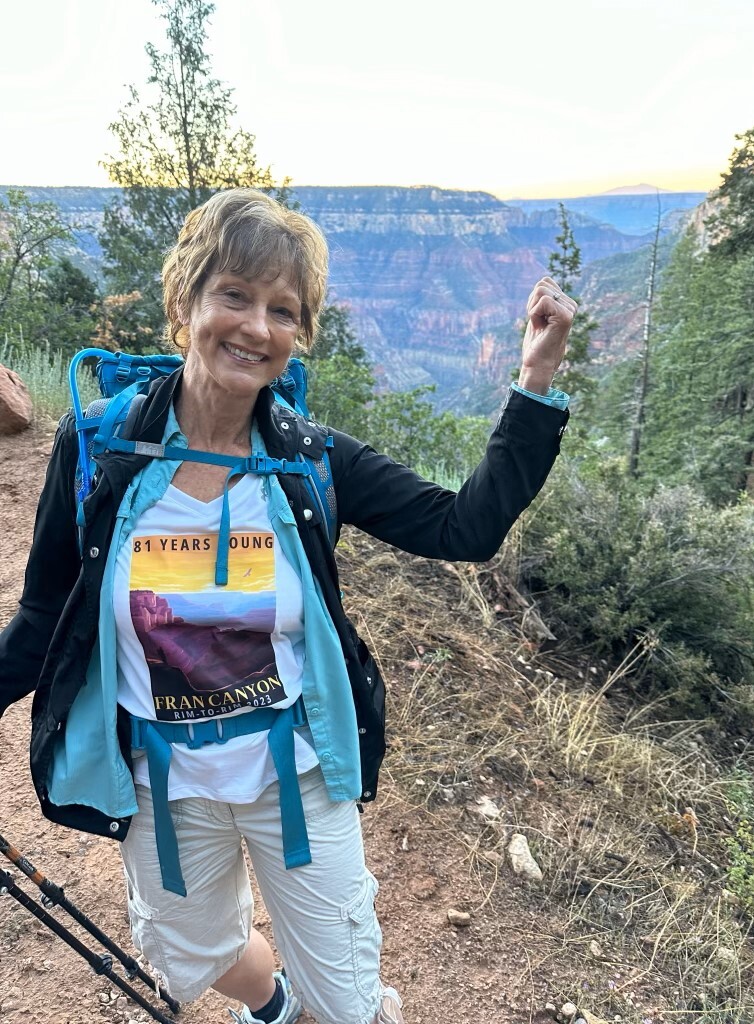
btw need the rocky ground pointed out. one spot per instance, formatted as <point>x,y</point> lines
<point>508,955</point>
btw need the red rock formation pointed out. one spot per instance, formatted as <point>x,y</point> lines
<point>15,403</point>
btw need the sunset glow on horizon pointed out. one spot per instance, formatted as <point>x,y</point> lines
<point>522,103</point>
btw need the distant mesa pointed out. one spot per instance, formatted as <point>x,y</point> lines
<point>634,190</point>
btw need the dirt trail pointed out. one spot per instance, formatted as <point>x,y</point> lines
<point>493,972</point>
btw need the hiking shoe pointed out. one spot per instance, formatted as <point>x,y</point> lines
<point>291,1007</point>
<point>390,1011</point>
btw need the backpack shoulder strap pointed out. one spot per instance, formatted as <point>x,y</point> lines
<point>129,426</point>
<point>321,487</point>
<point>290,390</point>
<point>110,422</point>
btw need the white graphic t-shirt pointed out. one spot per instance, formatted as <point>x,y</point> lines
<point>189,651</point>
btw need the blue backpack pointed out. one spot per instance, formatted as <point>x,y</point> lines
<point>124,381</point>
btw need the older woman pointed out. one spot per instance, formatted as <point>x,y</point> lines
<point>185,710</point>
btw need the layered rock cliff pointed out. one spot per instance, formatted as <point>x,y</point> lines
<point>435,280</point>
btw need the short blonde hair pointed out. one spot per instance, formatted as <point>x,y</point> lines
<point>244,231</point>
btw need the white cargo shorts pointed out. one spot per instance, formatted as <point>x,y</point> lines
<point>322,913</point>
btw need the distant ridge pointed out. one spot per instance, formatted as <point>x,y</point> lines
<point>634,190</point>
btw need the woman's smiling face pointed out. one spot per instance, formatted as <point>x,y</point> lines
<point>242,332</point>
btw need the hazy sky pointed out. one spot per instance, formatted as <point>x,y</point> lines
<point>536,98</point>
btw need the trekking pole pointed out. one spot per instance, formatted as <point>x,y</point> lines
<point>100,964</point>
<point>53,895</point>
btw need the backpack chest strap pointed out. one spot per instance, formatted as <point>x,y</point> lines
<point>262,465</point>
<point>259,464</point>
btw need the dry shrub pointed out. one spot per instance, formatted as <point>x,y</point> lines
<point>625,813</point>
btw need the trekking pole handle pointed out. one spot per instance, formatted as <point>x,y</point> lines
<point>50,890</point>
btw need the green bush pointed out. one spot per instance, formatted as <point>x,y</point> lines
<point>740,800</point>
<point>340,390</point>
<point>404,425</point>
<point>616,566</point>
<point>44,371</point>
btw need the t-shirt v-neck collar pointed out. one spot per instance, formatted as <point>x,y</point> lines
<point>235,493</point>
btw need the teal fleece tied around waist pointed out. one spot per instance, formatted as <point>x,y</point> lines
<point>156,738</point>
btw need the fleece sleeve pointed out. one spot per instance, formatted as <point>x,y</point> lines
<point>396,505</point>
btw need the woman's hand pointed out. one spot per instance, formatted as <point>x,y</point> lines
<point>550,314</point>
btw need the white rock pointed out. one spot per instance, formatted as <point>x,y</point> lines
<point>459,918</point>
<point>595,949</point>
<point>568,1010</point>
<point>484,809</point>
<point>522,861</point>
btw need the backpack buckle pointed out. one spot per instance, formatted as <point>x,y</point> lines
<point>258,464</point>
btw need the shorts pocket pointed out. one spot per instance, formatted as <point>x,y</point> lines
<point>366,937</point>
<point>141,917</point>
<point>139,908</point>
<point>316,800</point>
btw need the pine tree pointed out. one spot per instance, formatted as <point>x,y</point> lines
<point>341,384</point>
<point>700,415</point>
<point>564,265</point>
<point>700,422</point>
<point>643,381</point>
<point>178,145</point>
<point>71,300</point>
<point>733,226</point>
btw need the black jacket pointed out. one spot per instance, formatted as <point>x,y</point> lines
<point>48,644</point>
